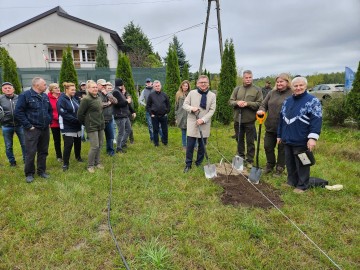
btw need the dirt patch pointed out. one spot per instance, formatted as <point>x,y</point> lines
<point>239,191</point>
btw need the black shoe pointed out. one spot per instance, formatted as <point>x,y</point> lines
<point>79,159</point>
<point>123,151</point>
<point>187,168</point>
<point>44,175</point>
<point>65,168</point>
<point>29,178</point>
<point>13,164</point>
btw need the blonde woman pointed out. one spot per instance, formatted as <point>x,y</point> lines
<point>180,113</point>
<point>70,126</point>
<point>91,116</point>
<point>54,94</point>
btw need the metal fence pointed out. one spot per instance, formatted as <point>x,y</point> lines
<point>52,75</point>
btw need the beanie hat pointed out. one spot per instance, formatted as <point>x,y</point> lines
<point>119,82</point>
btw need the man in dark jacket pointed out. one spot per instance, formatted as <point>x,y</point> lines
<point>9,124</point>
<point>121,114</point>
<point>158,106</point>
<point>34,112</point>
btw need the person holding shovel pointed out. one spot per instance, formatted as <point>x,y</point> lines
<point>200,105</point>
<point>245,100</point>
<point>299,129</point>
<point>272,105</point>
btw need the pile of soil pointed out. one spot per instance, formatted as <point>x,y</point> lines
<point>239,191</point>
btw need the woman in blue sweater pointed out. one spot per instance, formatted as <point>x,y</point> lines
<point>299,129</point>
<point>70,126</point>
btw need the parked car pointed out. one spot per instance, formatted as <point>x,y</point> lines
<point>326,91</point>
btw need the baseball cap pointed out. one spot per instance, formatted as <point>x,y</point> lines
<point>6,83</point>
<point>148,80</point>
<point>83,83</point>
<point>101,81</point>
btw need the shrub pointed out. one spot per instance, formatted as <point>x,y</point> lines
<point>140,116</point>
<point>334,111</point>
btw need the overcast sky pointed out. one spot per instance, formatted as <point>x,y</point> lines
<point>270,36</point>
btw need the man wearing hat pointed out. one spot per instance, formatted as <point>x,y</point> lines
<point>107,101</point>
<point>143,101</point>
<point>82,92</point>
<point>121,114</point>
<point>34,112</point>
<point>9,123</point>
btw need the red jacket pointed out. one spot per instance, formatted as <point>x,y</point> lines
<point>55,119</point>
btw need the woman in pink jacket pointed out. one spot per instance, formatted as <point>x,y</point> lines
<point>54,94</point>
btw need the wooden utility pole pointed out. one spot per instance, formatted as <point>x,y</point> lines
<point>205,32</point>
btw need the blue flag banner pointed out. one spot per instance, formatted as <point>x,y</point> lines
<point>349,78</point>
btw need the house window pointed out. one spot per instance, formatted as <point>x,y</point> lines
<point>88,55</point>
<point>56,55</point>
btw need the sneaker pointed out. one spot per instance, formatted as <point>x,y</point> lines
<point>29,178</point>
<point>44,175</point>
<point>298,190</point>
<point>91,169</point>
<point>99,166</point>
<point>65,168</point>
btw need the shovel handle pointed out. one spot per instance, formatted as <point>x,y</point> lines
<point>260,118</point>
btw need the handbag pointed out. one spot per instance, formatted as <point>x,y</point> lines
<point>306,158</point>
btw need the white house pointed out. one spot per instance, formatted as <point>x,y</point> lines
<point>39,42</point>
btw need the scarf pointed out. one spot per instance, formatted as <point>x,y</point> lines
<point>203,98</point>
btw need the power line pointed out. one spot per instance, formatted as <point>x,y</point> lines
<point>188,28</point>
<point>96,5</point>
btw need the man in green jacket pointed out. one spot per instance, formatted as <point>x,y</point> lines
<point>246,100</point>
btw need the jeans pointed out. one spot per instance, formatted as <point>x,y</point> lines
<point>150,126</point>
<point>183,137</point>
<point>96,139</point>
<point>124,127</point>
<point>109,135</point>
<point>8,133</point>
<point>57,141</point>
<point>156,122</point>
<point>191,141</point>
<point>248,130</point>
<point>37,144</point>
<point>69,141</point>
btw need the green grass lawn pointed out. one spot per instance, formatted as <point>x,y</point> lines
<point>164,219</point>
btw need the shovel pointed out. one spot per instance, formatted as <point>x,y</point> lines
<point>255,172</point>
<point>237,161</point>
<point>209,169</point>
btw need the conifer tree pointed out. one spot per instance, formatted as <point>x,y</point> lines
<point>172,81</point>
<point>9,70</point>
<point>227,83</point>
<point>186,73</point>
<point>67,71</point>
<point>101,54</point>
<point>124,72</point>
<point>353,98</point>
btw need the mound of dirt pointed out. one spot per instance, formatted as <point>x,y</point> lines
<point>239,191</point>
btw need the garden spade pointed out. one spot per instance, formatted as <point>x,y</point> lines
<point>237,161</point>
<point>209,169</point>
<point>256,171</point>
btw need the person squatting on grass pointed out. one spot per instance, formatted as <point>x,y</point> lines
<point>180,112</point>
<point>272,105</point>
<point>70,126</point>
<point>9,124</point>
<point>246,100</point>
<point>121,114</point>
<point>299,129</point>
<point>91,116</point>
<point>158,106</point>
<point>200,105</point>
<point>33,111</point>
<point>53,95</point>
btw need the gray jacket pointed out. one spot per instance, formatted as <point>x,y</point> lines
<point>8,104</point>
<point>145,95</point>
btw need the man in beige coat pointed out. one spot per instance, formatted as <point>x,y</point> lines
<point>200,105</point>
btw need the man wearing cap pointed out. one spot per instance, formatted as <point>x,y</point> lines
<point>143,100</point>
<point>266,89</point>
<point>107,101</point>
<point>82,92</point>
<point>9,123</point>
<point>121,114</point>
<point>34,112</point>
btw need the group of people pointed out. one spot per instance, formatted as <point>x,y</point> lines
<point>293,122</point>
